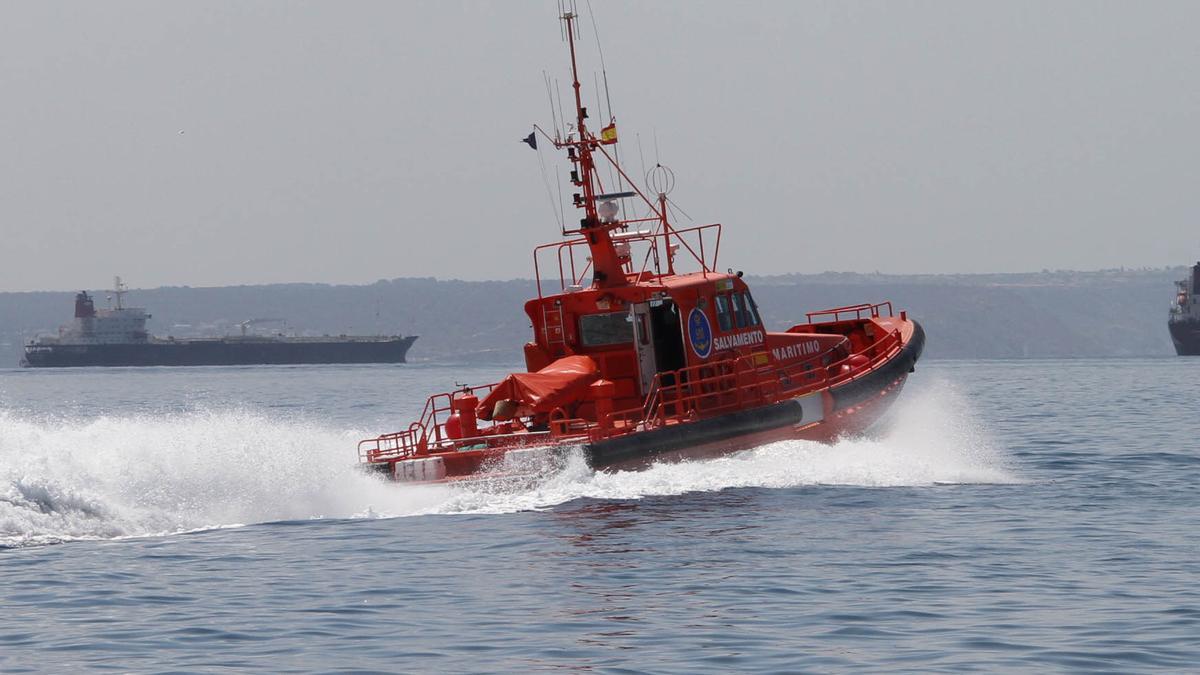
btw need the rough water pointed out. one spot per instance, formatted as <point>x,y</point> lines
<point>1010,515</point>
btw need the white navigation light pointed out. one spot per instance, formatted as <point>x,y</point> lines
<point>608,210</point>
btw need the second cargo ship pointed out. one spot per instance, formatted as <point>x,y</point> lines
<point>117,337</point>
<point>1184,319</point>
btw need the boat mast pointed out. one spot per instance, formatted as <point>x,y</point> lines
<point>607,270</point>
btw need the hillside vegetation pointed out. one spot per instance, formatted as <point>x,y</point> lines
<point>1047,314</point>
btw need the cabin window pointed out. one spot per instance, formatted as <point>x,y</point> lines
<point>723,314</point>
<point>752,310</point>
<point>739,310</point>
<point>598,330</point>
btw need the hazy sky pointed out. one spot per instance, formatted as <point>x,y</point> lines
<point>213,143</point>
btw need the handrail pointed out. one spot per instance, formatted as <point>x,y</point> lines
<point>696,394</point>
<point>874,310</point>
<point>378,453</point>
<point>654,239</point>
<point>427,431</point>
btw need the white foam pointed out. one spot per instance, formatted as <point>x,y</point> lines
<point>931,438</point>
<point>139,476</point>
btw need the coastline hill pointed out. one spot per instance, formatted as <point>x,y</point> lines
<point>1106,313</point>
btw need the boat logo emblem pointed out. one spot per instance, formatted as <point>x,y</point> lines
<point>700,333</point>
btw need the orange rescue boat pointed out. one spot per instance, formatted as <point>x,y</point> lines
<point>643,351</point>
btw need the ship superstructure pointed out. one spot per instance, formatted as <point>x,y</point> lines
<point>91,326</point>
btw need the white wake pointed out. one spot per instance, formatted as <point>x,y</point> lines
<point>111,477</point>
<point>930,438</point>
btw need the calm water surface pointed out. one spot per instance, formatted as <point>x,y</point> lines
<point>1011,516</point>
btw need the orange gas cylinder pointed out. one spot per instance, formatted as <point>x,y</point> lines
<point>454,426</point>
<point>464,408</point>
<point>602,392</point>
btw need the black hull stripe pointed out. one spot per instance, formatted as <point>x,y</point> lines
<point>852,393</point>
<point>640,446</point>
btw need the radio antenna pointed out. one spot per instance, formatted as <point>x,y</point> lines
<point>600,50</point>
<point>566,125</point>
<point>550,98</point>
<point>607,101</point>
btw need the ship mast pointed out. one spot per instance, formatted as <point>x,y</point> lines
<point>607,270</point>
<point>119,291</point>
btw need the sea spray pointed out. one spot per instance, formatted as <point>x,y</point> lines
<point>932,437</point>
<point>155,474</point>
<point>142,475</point>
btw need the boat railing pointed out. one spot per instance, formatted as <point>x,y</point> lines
<point>561,426</point>
<point>848,368</point>
<point>746,381</point>
<point>396,445</point>
<point>427,434</point>
<point>864,310</point>
<point>406,444</point>
<point>572,261</point>
<point>711,389</point>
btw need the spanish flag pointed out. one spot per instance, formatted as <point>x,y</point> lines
<point>608,135</point>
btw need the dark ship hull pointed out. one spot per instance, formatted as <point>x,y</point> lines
<point>230,351</point>
<point>1186,336</point>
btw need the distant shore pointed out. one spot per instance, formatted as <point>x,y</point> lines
<point>1062,313</point>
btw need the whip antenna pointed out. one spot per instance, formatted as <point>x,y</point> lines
<point>566,124</point>
<point>557,208</point>
<point>550,98</point>
<point>607,101</point>
<point>600,50</point>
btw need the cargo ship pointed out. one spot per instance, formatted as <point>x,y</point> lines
<point>1184,318</point>
<point>117,336</point>
<point>645,350</point>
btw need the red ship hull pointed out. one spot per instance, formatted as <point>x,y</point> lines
<point>849,406</point>
<point>854,407</point>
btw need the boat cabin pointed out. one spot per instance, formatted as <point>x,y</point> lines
<point>637,332</point>
<point>633,338</point>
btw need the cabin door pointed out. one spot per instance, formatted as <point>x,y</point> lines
<point>667,329</point>
<point>643,341</point>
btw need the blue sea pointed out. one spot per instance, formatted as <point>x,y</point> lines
<point>1008,516</point>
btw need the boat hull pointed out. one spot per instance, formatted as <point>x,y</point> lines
<point>1186,337</point>
<point>221,352</point>
<point>847,409</point>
